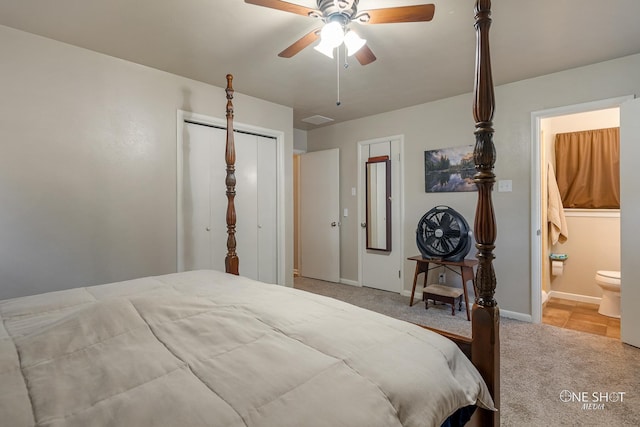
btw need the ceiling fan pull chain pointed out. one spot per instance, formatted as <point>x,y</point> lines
<point>338,75</point>
<point>346,58</point>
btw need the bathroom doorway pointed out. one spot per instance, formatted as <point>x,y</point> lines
<point>569,290</point>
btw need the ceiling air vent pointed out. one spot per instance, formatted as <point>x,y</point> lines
<point>317,120</point>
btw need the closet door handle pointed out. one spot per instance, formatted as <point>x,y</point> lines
<point>333,224</point>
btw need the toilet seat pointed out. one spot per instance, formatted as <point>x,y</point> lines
<point>609,274</point>
<point>608,277</point>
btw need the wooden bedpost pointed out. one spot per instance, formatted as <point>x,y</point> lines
<point>485,352</point>
<point>231,260</point>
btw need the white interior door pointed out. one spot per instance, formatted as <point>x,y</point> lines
<point>320,215</point>
<point>203,202</point>
<point>629,222</point>
<point>382,270</point>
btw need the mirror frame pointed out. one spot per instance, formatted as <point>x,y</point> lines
<point>387,196</point>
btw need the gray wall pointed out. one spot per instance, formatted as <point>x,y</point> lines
<point>88,164</point>
<point>300,140</point>
<point>448,123</point>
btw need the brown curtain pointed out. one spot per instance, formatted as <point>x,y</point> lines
<point>588,168</point>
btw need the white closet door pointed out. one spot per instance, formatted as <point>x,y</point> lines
<point>204,202</point>
<point>267,210</point>
<point>195,201</point>
<point>247,203</point>
<point>216,138</point>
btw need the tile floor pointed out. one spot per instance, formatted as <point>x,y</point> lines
<point>579,316</point>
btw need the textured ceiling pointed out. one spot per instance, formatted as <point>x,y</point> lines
<point>417,62</point>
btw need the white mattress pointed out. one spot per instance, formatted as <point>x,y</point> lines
<point>207,348</point>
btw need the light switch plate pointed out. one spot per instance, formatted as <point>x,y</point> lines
<point>504,186</point>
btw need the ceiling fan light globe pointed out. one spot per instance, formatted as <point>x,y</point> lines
<point>332,34</point>
<point>325,49</point>
<point>353,42</point>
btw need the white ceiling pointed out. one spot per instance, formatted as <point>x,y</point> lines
<point>417,62</point>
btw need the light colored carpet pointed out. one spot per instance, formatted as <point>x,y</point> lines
<point>538,363</point>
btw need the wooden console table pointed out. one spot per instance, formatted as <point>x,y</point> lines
<point>466,272</point>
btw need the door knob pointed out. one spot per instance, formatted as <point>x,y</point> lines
<point>363,224</point>
<point>208,229</point>
<point>333,224</point>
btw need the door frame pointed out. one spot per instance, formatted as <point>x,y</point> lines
<point>361,190</point>
<point>629,133</point>
<point>184,116</point>
<point>536,191</point>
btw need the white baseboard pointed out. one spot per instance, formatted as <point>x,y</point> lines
<point>349,282</point>
<point>516,315</point>
<point>417,296</point>
<point>503,313</point>
<point>574,297</point>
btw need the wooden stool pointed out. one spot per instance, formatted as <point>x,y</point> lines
<point>445,294</point>
<point>466,272</point>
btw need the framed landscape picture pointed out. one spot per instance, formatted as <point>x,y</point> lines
<point>449,170</point>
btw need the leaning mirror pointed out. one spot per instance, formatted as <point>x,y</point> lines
<point>378,203</point>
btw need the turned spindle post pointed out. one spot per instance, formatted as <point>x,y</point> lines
<point>485,315</point>
<point>231,261</point>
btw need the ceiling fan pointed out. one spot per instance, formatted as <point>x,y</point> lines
<point>336,16</point>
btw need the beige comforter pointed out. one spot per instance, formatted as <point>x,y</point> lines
<point>205,348</point>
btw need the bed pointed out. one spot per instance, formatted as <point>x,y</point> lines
<point>210,348</point>
<point>213,348</point>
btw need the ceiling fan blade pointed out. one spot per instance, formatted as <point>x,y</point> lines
<point>418,13</point>
<point>282,5</point>
<point>303,42</point>
<point>365,55</point>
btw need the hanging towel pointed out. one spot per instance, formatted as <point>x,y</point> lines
<point>558,231</point>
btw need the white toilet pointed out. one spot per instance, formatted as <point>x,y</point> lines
<point>609,281</point>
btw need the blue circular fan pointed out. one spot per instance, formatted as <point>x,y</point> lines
<point>443,234</point>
